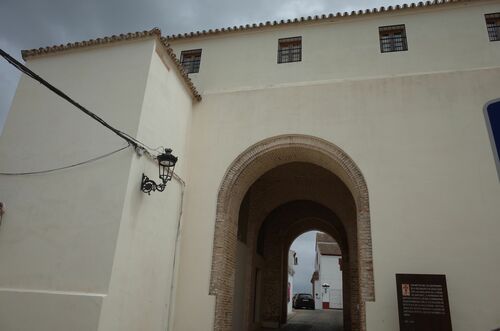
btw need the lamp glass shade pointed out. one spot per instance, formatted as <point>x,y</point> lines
<point>167,159</point>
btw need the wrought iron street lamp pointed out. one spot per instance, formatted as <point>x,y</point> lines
<point>166,165</point>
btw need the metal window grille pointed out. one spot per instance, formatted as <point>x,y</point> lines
<point>393,38</point>
<point>493,26</point>
<point>191,60</point>
<point>290,50</point>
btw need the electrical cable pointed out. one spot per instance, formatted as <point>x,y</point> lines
<point>65,167</point>
<point>140,147</point>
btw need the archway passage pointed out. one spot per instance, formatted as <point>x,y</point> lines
<point>272,192</point>
<point>280,228</point>
<point>315,281</point>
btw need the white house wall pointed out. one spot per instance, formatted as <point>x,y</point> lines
<point>419,138</point>
<point>330,273</point>
<point>318,300</point>
<point>140,291</point>
<point>62,246</point>
<point>439,39</point>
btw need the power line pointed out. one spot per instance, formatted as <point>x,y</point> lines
<point>140,147</point>
<point>65,167</point>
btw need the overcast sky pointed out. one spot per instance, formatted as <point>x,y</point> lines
<point>304,246</point>
<point>26,24</point>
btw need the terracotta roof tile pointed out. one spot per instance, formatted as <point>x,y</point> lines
<point>329,249</point>
<point>315,18</point>
<point>327,245</point>
<point>323,237</point>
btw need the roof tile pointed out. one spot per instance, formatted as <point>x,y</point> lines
<point>319,18</point>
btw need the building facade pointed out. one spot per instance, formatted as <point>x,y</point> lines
<point>375,127</point>
<point>292,262</point>
<point>327,276</point>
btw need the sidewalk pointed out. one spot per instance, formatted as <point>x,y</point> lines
<point>313,320</point>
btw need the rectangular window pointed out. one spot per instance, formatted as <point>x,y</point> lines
<point>493,25</point>
<point>393,38</point>
<point>191,60</point>
<point>290,50</point>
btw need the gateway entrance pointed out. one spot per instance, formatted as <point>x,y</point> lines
<point>272,193</point>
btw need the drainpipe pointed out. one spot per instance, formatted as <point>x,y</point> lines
<point>174,263</point>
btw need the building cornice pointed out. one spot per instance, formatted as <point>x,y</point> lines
<point>154,33</point>
<point>317,18</point>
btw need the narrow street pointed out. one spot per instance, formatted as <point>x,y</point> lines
<point>314,320</point>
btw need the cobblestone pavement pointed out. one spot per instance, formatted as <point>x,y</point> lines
<point>314,320</point>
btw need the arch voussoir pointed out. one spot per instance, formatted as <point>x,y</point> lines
<point>240,175</point>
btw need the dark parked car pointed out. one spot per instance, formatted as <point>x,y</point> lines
<point>303,300</point>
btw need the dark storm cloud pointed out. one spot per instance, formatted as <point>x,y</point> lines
<point>36,23</point>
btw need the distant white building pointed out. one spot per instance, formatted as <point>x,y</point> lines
<point>292,261</point>
<point>327,277</point>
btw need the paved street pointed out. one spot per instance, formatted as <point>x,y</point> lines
<point>314,320</point>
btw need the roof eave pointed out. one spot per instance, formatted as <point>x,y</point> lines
<point>314,19</point>
<point>153,33</point>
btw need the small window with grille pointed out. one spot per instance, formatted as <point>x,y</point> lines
<point>290,50</point>
<point>393,38</point>
<point>191,60</point>
<point>493,26</point>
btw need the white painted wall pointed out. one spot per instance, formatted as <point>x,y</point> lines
<point>332,275</point>
<point>289,308</point>
<point>83,248</point>
<point>420,140</point>
<point>58,237</point>
<point>291,272</point>
<point>447,39</point>
<point>140,294</point>
<point>317,295</point>
<point>417,132</point>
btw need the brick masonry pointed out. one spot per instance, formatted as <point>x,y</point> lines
<point>243,172</point>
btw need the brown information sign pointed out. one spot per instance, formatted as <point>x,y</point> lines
<point>423,303</point>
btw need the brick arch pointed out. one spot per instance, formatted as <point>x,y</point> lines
<point>243,172</point>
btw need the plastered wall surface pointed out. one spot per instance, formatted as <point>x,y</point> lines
<point>58,236</point>
<point>424,150</point>
<point>331,275</point>
<point>141,284</point>
<point>330,270</point>
<point>450,38</point>
<point>412,121</point>
<point>84,248</point>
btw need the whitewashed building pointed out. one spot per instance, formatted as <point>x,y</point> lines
<point>292,262</point>
<point>327,277</point>
<point>377,127</point>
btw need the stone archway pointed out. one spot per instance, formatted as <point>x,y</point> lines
<point>247,167</point>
